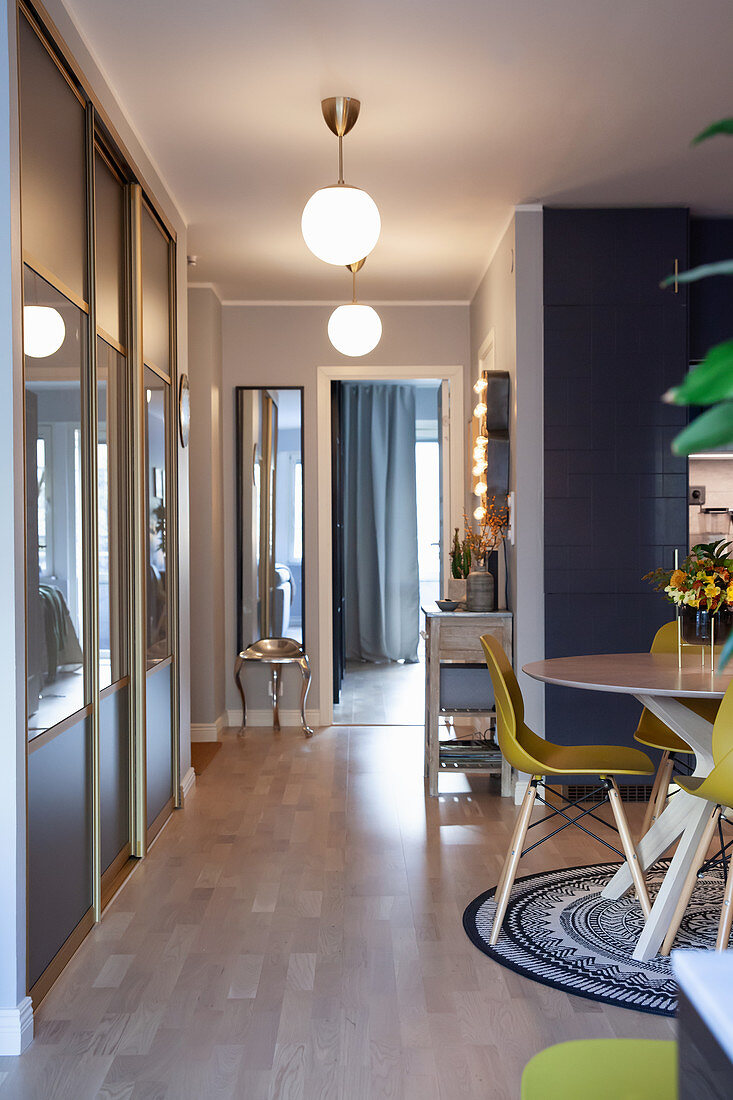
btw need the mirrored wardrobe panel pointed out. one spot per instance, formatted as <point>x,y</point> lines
<point>270,596</point>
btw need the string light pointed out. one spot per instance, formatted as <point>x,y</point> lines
<point>480,410</point>
<point>480,513</point>
<point>479,489</point>
<point>481,385</point>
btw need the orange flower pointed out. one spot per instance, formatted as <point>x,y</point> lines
<point>677,579</point>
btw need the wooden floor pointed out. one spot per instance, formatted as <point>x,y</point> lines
<point>296,932</point>
<point>383,694</point>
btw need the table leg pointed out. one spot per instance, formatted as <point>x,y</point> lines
<point>433,730</point>
<point>275,697</point>
<point>238,681</point>
<point>305,671</point>
<point>684,817</point>
<point>666,900</point>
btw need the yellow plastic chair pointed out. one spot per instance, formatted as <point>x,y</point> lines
<point>652,732</point>
<point>607,1069</point>
<point>716,788</point>
<point>527,752</point>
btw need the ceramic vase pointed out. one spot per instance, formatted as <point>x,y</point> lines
<point>480,590</point>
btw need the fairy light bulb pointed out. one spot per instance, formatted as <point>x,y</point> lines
<point>479,489</point>
<point>479,513</point>
<point>482,442</point>
<point>480,385</point>
<point>479,410</point>
<point>479,469</point>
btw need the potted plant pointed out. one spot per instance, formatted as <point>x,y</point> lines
<point>701,588</point>
<point>482,542</point>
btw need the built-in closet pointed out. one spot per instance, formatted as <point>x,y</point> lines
<point>101,515</point>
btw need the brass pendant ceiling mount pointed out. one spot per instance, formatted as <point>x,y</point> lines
<point>340,113</point>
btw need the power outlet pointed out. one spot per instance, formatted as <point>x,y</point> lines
<point>696,494</point>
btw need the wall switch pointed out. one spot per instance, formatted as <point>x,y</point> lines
<point>696,494</point>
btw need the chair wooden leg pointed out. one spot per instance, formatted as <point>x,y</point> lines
<point>627,844</point>
<point>509,870</point>
<point>726,915</point>
<point>666,767</point>
<point>651,811</point>
<point>689,884</point>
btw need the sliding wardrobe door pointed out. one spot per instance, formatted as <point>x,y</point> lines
<point>160,670</point>
<point>113,525</point>
<point>58,670</point>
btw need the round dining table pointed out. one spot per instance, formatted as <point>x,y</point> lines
<point>661,685</point>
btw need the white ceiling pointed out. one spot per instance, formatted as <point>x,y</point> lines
<point>468,107</point>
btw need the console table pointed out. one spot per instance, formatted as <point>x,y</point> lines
<point>452,638</point>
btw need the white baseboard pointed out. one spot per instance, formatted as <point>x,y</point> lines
<point>203,731</point>
<point>16,1028</point>
<point>264,717</point>
<point>188,783</point>
<point>520,787</point>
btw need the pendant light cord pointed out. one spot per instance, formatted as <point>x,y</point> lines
<point>353,297</point>
<point>341,159</point>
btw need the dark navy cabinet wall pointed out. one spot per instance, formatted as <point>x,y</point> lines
<point>615,496</point>
<point>711,300</point>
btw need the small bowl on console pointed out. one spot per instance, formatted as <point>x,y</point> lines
<point>447,605</point>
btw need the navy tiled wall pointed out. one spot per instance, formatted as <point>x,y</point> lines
<point>615,496</point>
<point>711,300</point>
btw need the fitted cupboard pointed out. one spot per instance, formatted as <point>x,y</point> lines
<point>101,510</point>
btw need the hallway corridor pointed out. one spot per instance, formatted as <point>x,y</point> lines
<point>296,932</point>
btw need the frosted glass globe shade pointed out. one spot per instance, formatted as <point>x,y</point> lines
<point>341,224</point>
<point>43,331</point>
<point>354,329</point>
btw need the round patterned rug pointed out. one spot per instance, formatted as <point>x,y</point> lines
<point>558,930</point>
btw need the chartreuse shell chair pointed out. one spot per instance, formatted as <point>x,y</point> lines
<point>527,752</point>
<point>717,789</point>
<point>607,1069</point>
<point>652,731</point>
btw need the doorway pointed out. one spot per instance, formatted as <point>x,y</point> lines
<point>387,528</point>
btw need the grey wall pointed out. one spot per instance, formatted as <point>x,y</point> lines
<point>207,533</point>
<point>509,302</point>
<point>284,346</point>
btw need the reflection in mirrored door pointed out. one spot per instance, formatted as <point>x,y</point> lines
<point>270,511</point>
<point>156,449</point>
<point>55,334</point>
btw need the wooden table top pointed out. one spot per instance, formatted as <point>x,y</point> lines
<point>635,674</point>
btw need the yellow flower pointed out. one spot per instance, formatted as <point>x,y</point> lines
<point>711,591</point>
<point>729,593</point>
<point>677,579</point>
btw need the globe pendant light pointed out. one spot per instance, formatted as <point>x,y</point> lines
<point>44,331</point>
<point>354,329</point>
<point>340,223</point>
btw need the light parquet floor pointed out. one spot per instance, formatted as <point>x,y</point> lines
<point>296,933</point>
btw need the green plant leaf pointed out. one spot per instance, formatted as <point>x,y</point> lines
<point>711,381</point>
<point>704,271</point>
<point>713,428</point>
<point>726,653</point>
<point>723,126</point>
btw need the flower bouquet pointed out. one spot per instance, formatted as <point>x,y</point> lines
<point>702,590</point>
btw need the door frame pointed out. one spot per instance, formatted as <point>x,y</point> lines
<point>453,499</point>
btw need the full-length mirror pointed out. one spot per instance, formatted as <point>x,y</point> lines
<point>270,597</point>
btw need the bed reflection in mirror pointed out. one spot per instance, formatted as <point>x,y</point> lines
<point>270,600</point>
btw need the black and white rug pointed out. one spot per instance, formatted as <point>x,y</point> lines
<point>558,930</point>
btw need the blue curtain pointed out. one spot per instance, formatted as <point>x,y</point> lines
<point>380,522</point>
